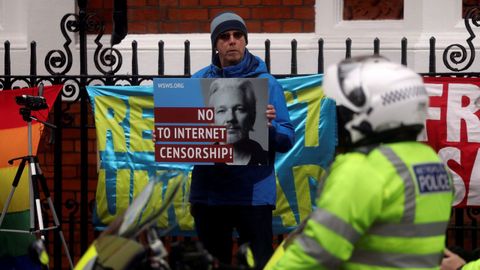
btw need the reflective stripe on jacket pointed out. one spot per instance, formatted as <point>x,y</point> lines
<point>387,209</point>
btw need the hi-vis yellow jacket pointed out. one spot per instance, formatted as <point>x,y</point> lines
<point>473,265</point>
<point>385,209</point>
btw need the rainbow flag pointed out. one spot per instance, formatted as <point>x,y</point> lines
<point>13,144</point>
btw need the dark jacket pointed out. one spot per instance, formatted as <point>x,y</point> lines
<point>244,185</point>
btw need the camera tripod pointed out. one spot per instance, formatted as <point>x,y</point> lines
<point>36,179</point>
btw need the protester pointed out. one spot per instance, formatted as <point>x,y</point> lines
<point>234,103</point>
<point>224,197</point>
<point>386,201</point>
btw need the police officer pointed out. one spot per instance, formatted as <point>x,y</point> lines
<point>387,199</point>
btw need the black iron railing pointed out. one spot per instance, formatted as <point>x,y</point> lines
<point>108,62</point>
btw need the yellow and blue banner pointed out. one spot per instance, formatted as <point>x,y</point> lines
<point>124,119</point>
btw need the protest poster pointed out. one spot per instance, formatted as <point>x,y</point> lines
<point>208,121</point>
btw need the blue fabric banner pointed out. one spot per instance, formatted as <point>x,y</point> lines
<point>124,122</point>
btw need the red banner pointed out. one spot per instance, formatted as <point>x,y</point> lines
<point>453,130</point>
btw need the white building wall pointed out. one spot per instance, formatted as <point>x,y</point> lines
<point>23,21</point>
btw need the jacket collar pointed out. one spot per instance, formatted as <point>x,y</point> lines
<point>248,67</point>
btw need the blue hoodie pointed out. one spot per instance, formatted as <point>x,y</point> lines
<point>244,185</point>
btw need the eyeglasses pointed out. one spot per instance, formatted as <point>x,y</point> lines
<point>226,36</point>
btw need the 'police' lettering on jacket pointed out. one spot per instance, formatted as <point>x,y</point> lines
<point>432,177</point>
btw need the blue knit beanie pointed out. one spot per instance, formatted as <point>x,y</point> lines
<point>227,21</point>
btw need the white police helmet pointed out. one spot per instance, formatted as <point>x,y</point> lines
<point>376,99</point>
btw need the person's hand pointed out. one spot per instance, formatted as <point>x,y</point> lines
<point>271,114</point>
<point>154,136</point>
<point>451,261</point>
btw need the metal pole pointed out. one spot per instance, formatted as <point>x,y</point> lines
<point>82,4</point>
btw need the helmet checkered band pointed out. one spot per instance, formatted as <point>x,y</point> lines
<point>402,94</point>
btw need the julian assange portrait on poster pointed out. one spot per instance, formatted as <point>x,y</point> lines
<point>208,121</point>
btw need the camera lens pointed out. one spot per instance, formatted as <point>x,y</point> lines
<point>21,100</point>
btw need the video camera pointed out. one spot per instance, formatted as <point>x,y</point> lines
<point>33,103</point>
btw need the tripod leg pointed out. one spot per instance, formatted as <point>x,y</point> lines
<point>36,197</point>
<point>43,183</point>
<point>14,186</point>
